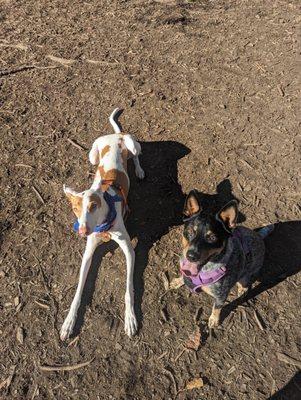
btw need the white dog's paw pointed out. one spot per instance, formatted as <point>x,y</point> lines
<point>139,173</point>
<point>130,322</point>
<point>67,327</point>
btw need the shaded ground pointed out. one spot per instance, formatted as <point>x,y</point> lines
<point>211,89</point>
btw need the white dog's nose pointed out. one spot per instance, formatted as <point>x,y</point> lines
<point>83,230</point>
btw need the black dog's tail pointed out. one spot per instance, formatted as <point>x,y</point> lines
<point>266,230</point>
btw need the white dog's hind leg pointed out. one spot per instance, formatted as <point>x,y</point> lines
<point>138,170</point>
<point>135,148</point>
<point>67,328</point>
<point>123,240</point>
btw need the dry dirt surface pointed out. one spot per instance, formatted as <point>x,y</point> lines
<point>210,89</point>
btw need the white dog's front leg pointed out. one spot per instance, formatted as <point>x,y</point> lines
<point>123,240</point>
<point>67,328</point>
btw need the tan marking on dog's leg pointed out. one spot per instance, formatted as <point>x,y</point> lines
<point>185,245</point>
<point>241,290</point>
<point>214,317</point>
<point>104,151</point>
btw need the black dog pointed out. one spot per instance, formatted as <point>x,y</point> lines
<point>217,254</point>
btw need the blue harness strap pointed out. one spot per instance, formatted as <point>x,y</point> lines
<point>110,219</point>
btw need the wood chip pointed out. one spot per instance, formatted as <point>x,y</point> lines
<point>280,90</point>
<point>75,144</point>
<point>20,335</point>
<point>289,360</point>
<point>165,280</point>
<point>164,314</point>
<point>257,320</point>
<point>49,368</point>
<point>64,61</point>
<point>171,375</point>
<point>24,165</point>
<point>176,283</point>
<point>6,383</point>
<point>180,354</point>
<point>73,341</point>
<point>194,340</point>
<point>38,194</point>
<point>43,305</point>
<point>195,383</point>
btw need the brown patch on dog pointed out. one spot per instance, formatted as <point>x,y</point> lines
<point>104,151</point>
<point>94,200</point>
<point>77,204</point>
<point>114,177</point>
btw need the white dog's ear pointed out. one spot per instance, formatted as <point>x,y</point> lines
<point>70,193</point>
<point>94,154</point>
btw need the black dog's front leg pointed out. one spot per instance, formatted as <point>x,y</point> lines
<point>216,312</point>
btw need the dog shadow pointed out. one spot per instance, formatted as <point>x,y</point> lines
<point>156,204</point>
<point>291,391</point>
<point>214,202</point>
<point>282,259</point>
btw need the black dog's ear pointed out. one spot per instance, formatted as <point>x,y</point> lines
<point>192,205</point>
<point>228,215</point>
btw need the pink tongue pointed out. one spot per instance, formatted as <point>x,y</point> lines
<point>192,267</point>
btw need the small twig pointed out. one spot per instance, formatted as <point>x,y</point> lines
<point>73,341</point>
<point>35,391</point>
<point>39,196</point>
<point>25,68</point>
<point>258,320</point>
<point>78,146</point>
<point>162,355</point>
<point>24,165</point>
<point>42,304</point>
<point>179,355</point>
<point>170,374</point>
<point>280,90</point>
<point>289,360</point>
<point>64,61</point>
<point>50,368</point>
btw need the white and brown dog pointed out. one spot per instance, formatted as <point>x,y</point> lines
<point>100,211</point>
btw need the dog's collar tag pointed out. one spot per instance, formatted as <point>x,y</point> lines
<point>110,219</point>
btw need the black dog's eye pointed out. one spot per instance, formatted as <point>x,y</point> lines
<point>190,231</point>
<point>211,238</point>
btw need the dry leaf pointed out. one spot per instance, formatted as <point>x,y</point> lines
<point>176,283</point>
<point>194,340</point>
<point>196,383</point>
<point>20,335</point>
<point>16,301</point>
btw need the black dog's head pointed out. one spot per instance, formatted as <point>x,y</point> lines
<point>206,231</point>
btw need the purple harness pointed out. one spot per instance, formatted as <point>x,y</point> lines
<point>195,280</point>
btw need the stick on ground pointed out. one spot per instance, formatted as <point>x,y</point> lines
<point>49,368</point>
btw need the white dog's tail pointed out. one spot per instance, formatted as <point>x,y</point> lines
<point>113,122</point>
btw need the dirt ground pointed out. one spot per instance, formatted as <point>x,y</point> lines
<point>210,88</point>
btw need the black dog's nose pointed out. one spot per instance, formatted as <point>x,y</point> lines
<point>192,256</point>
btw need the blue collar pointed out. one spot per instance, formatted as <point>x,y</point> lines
<point>109,221</point>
